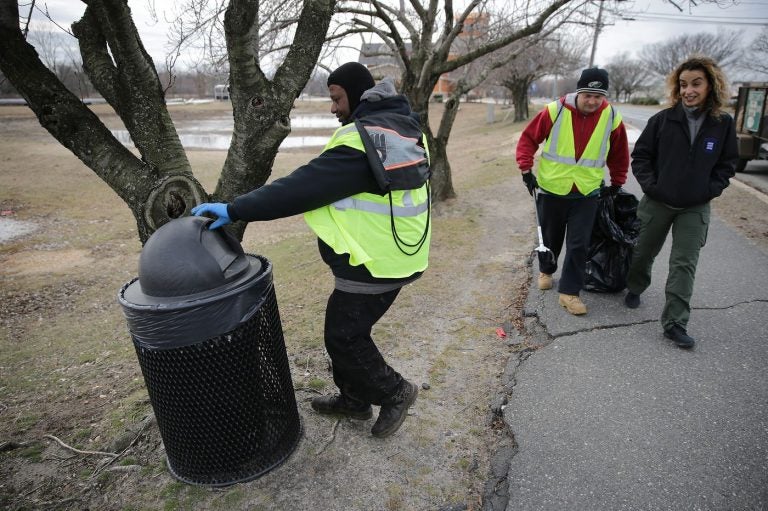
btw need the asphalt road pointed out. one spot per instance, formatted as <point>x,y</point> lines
<point>610,415</point>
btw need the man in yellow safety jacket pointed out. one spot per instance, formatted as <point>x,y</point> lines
<point>581,134</point>
<point>366,197</point>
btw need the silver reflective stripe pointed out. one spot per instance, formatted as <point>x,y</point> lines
<point>382,209</point>
<point>568,160</point>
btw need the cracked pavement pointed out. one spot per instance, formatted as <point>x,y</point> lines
<point>609,414</point>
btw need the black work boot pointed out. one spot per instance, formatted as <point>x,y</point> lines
<point>632,300</point>
<point>339,405</point>
<point>680,336</point>
<point>395,409</point>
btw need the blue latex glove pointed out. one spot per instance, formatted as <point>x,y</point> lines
<point>218,209</point>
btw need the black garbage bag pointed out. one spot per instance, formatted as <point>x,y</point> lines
<point>614,235</point>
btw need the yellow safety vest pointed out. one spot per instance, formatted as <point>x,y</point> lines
<point>362,225</point>
<point>558,168</point>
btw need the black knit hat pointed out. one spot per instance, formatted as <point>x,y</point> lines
<point>355,79</point>
<point>594,80</point>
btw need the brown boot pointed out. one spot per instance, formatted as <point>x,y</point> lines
<point>573,304</point>
<point>545,281</point>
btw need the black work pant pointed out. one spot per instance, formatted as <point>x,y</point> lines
<point>569,220</point>
<point>359,369</point>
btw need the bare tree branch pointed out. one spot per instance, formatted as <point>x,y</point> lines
<point>662,57</point>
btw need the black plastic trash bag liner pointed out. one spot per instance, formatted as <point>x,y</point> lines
<point>613,237</point>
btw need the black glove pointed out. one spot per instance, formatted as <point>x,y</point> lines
<point>530,181</point>
<point>614,189</point>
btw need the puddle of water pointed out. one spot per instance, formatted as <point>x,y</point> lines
<point>315,121</point>
<point>10,229</point>
<point>221,141</point>
<point>216,133</point>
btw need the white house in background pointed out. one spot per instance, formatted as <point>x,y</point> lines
<point>221,92</point>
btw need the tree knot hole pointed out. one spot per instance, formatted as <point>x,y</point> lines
<point>175,205</point>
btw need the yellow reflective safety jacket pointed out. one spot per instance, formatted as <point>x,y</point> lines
<point>388,233</point>
<point>558,168</point>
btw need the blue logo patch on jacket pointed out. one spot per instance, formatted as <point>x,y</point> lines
<point>710,144</point>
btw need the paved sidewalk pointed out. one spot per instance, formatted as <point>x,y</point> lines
<point>610,415</point>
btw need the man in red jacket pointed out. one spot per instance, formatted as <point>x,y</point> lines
<point>581,133</point>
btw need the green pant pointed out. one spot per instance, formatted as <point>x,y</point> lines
<point>689,233</point>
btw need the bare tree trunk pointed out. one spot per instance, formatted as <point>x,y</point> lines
<point>442,182</point>
<point>519,89</point>
<point>159,186</point>
<point>261,107</point>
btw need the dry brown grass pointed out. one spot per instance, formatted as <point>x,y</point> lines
<point>68,367</point>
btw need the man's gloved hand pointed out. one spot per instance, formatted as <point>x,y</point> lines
<point>218,209</point>
<point>614,189</point>
<point>530,181</point>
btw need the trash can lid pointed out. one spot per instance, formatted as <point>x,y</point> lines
<point>185,257</point>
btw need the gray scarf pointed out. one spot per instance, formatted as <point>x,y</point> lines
<point>695,120</point>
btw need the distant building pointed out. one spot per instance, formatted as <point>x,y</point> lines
<point>221,92</point>
<point>382,63</point>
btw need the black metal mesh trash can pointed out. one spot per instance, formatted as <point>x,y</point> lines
<point>204,321</point>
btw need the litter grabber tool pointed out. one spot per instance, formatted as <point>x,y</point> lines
<point>548,255</point>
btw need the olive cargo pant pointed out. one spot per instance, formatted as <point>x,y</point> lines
<point>689,233</point>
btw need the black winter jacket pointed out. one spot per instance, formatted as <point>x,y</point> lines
<point>672,170</point>
<point>335,174</point>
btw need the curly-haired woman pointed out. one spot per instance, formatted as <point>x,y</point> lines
<point>683,159</point>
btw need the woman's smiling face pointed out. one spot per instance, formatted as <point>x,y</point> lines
<point>694,87</point>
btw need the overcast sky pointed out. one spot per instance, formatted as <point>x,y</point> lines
<point>654,21</point>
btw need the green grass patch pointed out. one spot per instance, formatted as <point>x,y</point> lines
<point>32,452</point>
<point>130,409</point>
<point>317,383</point>
<point>234,497</point>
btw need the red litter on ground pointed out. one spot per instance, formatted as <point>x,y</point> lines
<point>6,212</point>
<point>500,332</point>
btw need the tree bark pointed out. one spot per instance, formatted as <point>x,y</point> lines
<point>261,107</point>
<point>519,89</point>
<point>159,185</point>
<point>442,182</point>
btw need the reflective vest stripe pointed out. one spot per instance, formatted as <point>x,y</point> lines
<point>583,162</point>
<point>408,210</point>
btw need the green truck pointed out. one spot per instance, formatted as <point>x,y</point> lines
<point>752,123</point>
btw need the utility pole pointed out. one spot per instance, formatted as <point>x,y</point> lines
<point>554,82</point>
<point>598,26</point>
